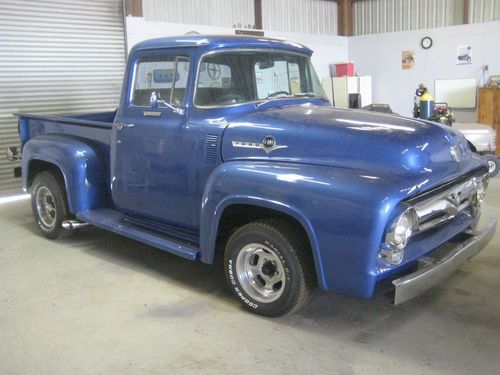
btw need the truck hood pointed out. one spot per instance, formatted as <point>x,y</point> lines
<point>367,141</point>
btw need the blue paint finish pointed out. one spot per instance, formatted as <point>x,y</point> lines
<point>80,162</point>
<point>220,195</point>
<point>154,163</point>
<point>322,135</point>
<point>216,42</point>
<point>342,174</point>
<point>24,130</point>
<point>81,137</point>
<point>344,211</point>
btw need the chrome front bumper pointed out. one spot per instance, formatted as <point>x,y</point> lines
<point>431,270</point>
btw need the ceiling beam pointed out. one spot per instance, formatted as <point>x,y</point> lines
<point>466,12</point>
<point>258,14</point>
<point>345,17</point>
<point>133,8</point>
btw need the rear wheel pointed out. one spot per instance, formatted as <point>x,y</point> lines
<point>493,164</point>
<point>269,268</point>
<point>49,205</point>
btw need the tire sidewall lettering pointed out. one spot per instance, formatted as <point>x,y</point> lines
<point>237,290</point>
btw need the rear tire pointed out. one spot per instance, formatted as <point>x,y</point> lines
<point>49,205</point>
<point>269,268</point>
<point>493,164</point>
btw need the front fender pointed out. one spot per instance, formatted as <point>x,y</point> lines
<point>343,211</point>
<point>219,195</point>
<point>80,162</point>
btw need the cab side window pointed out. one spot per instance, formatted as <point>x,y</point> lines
<point>163,76</point>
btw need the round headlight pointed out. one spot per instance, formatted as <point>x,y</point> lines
<point>402,228</point>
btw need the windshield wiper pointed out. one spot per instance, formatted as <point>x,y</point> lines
<point>305,95</point>
<point>284,96</point>
<point>270,98</point>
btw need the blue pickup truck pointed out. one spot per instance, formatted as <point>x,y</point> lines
<point>226,146</point>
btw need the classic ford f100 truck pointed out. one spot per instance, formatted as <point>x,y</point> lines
<point>226,145</point>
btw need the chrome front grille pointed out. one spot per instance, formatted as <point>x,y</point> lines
<point>447,204</point>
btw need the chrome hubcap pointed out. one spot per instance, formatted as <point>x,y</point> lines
<point>46,207</point>
<point>260,272</point>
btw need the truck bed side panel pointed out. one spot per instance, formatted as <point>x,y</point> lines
<point>79,145</point>
<point>90,126</point>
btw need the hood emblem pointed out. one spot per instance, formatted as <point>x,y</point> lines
<point>268,144</point>
<point>456,153</point>
<point>454,199</point>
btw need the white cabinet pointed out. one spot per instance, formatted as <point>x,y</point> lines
<point>337,90</point>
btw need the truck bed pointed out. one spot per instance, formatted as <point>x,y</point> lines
<point>92,126</point>
<point>93,129</point>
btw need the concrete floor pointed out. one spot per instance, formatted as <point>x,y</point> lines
<point>102,304</point>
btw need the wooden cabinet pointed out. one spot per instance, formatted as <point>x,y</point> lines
<point>488,110</point>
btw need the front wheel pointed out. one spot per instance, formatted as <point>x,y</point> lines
<point>269,268</point>
<point>493,164</point>
<point>49,205</point>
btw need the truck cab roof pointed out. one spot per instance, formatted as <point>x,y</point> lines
<point>211,42</point>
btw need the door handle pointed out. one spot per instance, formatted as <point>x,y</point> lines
<point>121,126</point>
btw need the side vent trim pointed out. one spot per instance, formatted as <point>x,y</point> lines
<point>211,146</point>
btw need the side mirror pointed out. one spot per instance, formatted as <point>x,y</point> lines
<point>153,100</point>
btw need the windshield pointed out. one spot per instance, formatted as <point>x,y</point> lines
<point>229,78</point>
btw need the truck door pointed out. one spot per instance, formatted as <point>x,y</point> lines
<point>151,149</point>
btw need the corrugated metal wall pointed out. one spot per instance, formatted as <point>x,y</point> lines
<point>56,56</point>
<point>226,13</point>
<point>484,11</point>
<point>380,16</point>
<point>300,16</point>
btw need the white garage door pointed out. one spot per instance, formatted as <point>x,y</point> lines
<point>56,56</point>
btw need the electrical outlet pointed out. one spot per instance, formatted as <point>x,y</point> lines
<point>485,67</point>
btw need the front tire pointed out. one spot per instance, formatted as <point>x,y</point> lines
<point>269,268</point>
<point>49,205</point>
<point>493,164</point>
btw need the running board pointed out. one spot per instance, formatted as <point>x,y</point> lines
<point>112,221</point>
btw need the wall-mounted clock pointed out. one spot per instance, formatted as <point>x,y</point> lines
<point>426,42</point>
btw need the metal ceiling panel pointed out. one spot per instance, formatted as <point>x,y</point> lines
<point>484,10</point>
<point>381,16</point>
<point>225,13</point>
<point>300,16</point>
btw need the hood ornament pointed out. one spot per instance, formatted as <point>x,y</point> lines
<point>268,144</point>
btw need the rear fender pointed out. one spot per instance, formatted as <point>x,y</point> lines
<point>80,162</point>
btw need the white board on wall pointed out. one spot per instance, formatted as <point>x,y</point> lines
<point>458,93</point>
